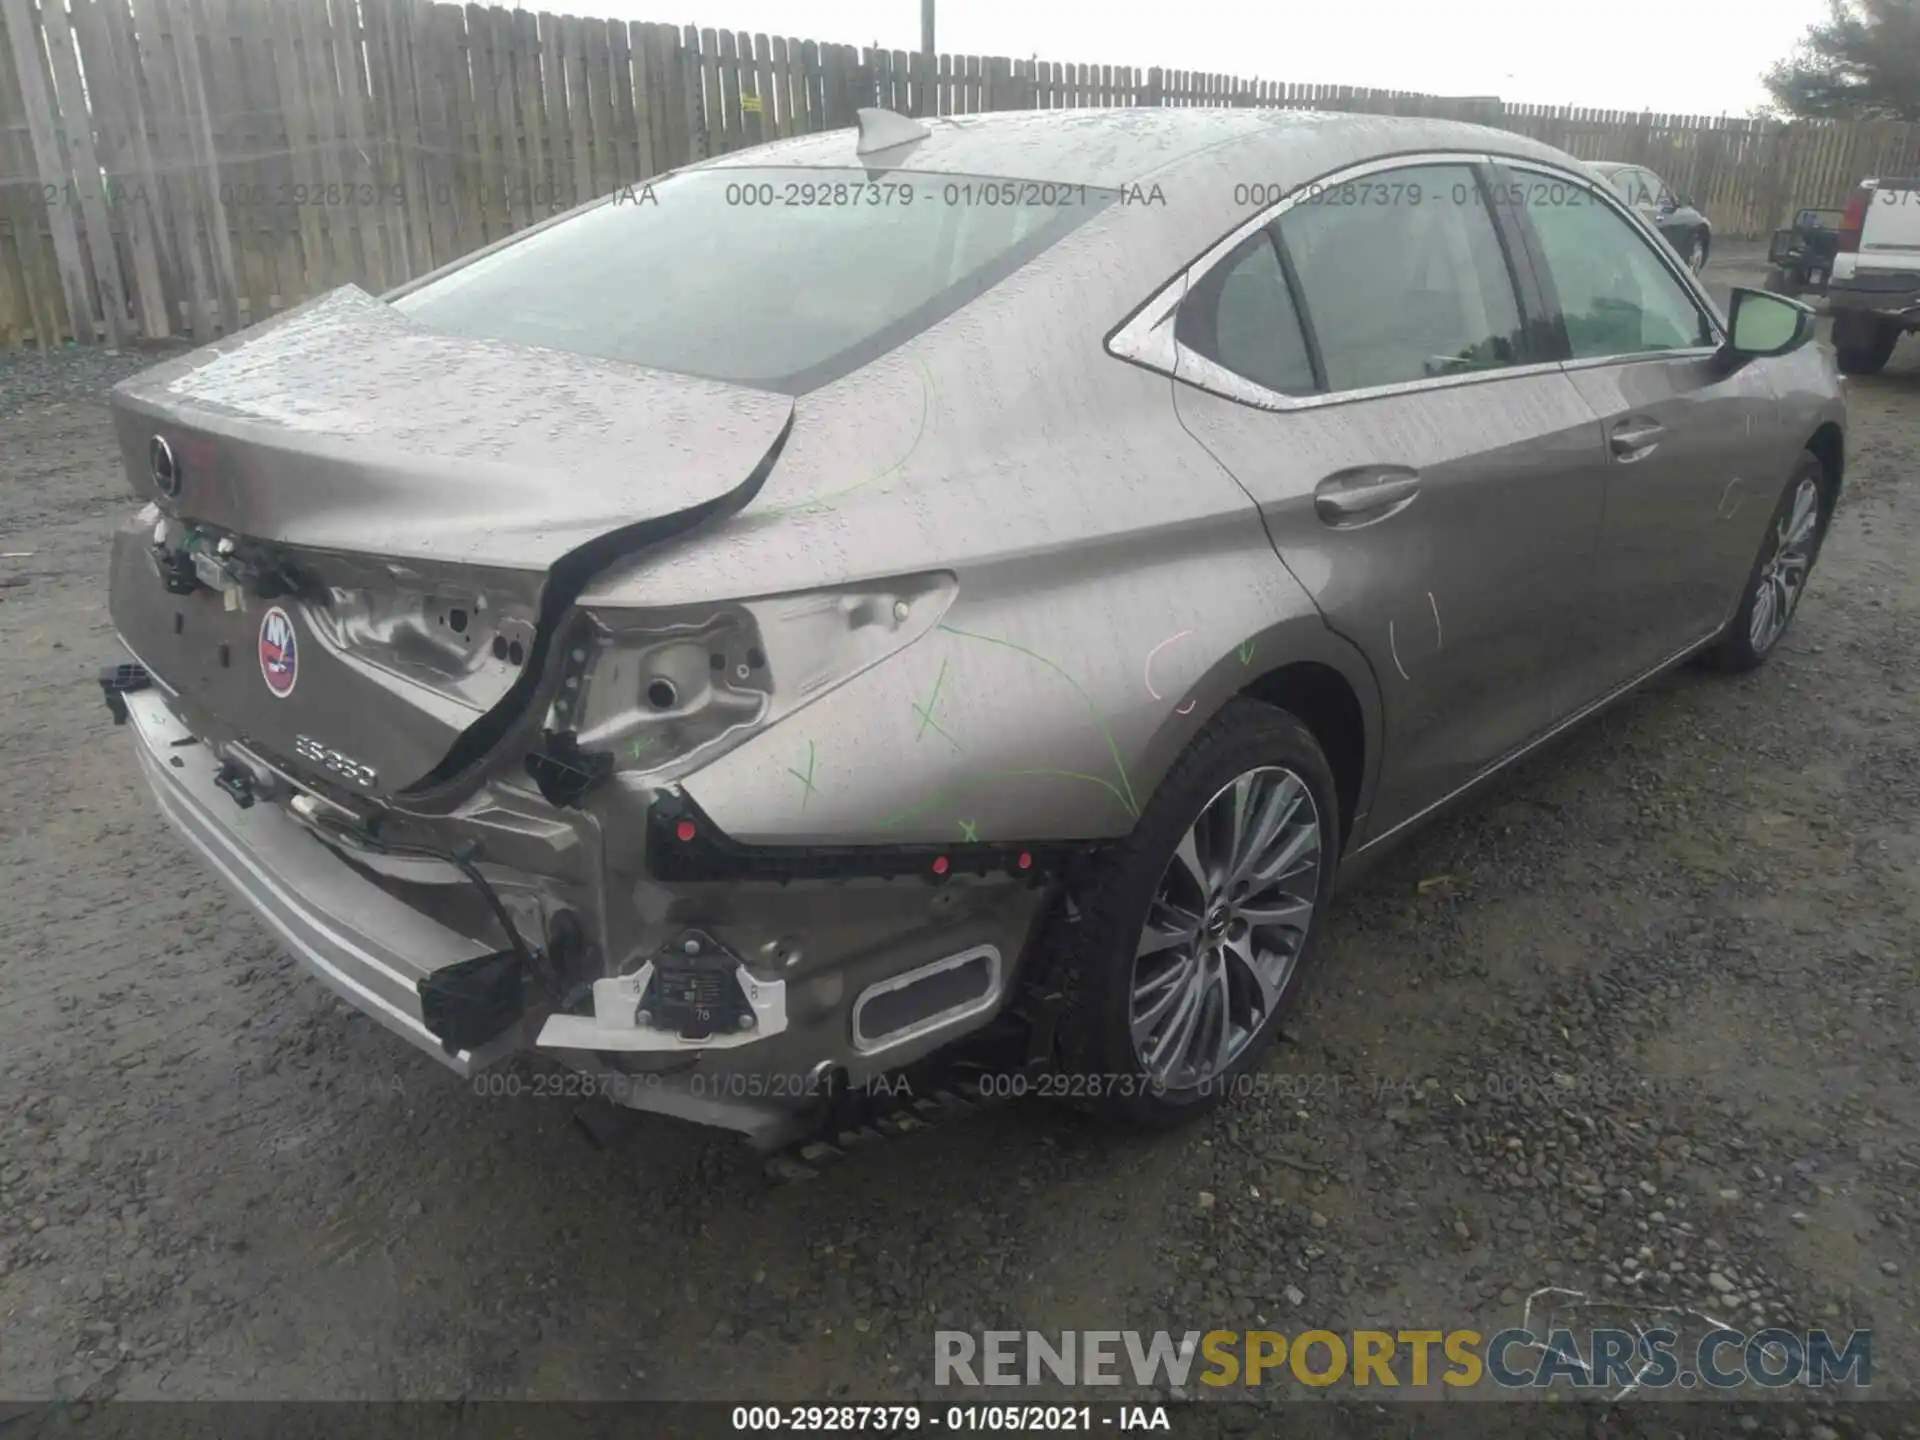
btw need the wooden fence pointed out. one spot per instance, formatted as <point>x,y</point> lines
<point>184,167</point>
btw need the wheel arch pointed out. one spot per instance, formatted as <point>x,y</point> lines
<point>1829,446</point>
<point>1317,676</point>
<point>1325,701</point>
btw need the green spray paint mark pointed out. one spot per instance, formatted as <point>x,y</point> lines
<point>827,502</point>
<point>970,829</point>
<point>640,746</point>
<point>1246,653</point>
<point>926,712</point>
<point>1125,790</point>
<point>808,788</point>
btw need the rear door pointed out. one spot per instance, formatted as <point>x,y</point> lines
<point>1362,362</point>
<point>1690,452</point>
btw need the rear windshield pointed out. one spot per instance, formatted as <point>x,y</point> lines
<point>782,279</point>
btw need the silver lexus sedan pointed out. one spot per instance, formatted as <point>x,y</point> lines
<point>937,579</point>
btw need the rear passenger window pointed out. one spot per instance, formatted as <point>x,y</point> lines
<point>1241,316</point>
<point>1403,277</point>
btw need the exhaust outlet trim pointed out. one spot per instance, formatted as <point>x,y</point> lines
<point>943,985</point>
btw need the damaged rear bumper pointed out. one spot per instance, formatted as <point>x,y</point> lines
<point>366,945</point>
<point>688,1027</point>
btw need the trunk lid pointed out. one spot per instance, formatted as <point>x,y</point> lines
<point>368,528</point>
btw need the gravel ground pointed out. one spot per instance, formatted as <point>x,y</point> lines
<point>1640,1023</point>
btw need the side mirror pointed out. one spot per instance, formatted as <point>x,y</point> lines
<point>1760,325</point>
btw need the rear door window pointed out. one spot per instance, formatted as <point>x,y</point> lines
<point>782,279</point>
<point>1403,277</point>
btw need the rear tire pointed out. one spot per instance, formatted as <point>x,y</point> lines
<point>1788,552</point>
<point>1195,931</point>
<point>1863,344</point>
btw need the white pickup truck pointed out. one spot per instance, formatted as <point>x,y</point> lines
<point>1874,291</point>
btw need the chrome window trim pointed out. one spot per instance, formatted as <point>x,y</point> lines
<point>1641,357</point>
<point>1216,379</point>
<point>1148,338</point>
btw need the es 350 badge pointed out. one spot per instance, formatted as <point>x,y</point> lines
<point>279,652</point>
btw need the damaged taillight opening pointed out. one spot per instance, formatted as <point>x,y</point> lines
<point>664,691</point>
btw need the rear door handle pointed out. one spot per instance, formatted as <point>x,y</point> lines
<point>1634,439</point>
<point>1361,496</point>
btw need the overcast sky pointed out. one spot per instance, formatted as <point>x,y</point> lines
<point>1687,56</point>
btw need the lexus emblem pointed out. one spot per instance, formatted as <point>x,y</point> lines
<point>166,470</point>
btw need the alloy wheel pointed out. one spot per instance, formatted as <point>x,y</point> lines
<point>1783,575</point>
<point>1226,927</point>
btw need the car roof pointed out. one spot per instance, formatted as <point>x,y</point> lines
<point>1120,147</point>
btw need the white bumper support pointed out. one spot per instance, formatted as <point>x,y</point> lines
<point>614,1024</point>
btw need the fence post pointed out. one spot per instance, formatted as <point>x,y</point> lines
<point>866,81</point>
<point>24,33</point>
<point>999,86</point>
<point>107,42</point>
<point>699,143</point>
<point>1155,92</point>
<point>75,137</point>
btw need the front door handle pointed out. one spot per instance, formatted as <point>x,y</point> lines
<point>1362,496</point>
<point>1634,439</point>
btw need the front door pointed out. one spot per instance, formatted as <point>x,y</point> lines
<point>1688,447</point>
